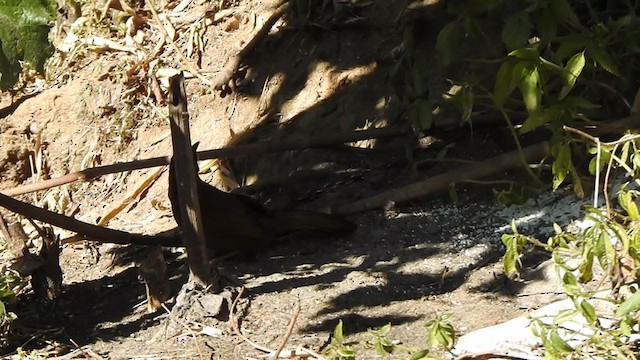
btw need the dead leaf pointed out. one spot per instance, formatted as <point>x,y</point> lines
<point>133,195</point>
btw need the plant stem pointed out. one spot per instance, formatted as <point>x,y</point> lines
<point>519,146</point>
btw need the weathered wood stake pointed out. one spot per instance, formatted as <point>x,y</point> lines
<point>185,175</point>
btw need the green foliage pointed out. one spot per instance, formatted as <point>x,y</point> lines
<point>9,280</point>
<point>410,75</point>
<point>515,194</point>
<point>514,244</point>
<point>337,350</point>
<point>440,334</point>
<point>558,57</point>
<point>604,245</point>
<point>563,65</point>
<point>553,343</point>
<point>24,31</point>
<point>380,342</point>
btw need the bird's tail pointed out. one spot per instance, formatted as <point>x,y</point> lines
<point>295,221</point>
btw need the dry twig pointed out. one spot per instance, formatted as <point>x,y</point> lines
<point>299,352</point>
<point>286,336</point>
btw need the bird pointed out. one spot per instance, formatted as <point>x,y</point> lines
<point>234,222</point>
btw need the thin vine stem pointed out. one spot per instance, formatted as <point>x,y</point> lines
<point>519,146</point>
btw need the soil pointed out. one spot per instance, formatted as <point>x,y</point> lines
<point>404,264</point>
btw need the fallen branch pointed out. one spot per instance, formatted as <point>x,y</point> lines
<point>234,151</point>
<point>229,70</point>
<point>441,182</point>
<point>92,231</point>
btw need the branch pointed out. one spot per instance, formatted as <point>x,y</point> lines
<point>234,151</point>
<point>441,182</point>
<point>92,231</point>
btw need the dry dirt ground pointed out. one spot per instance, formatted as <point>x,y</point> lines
<point>402,266</point>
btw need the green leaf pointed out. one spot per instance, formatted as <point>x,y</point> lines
<point>580,103</point>
<point>408,40</point>
<point>626,327</point>
<point>564,316</point>
<point>514,227</point>
<point>520,71</point>
<point>571,73</point>
<point>419,355</point>
<point>563,11</point>
<point>464,101</point>
<point>604,250</point>
<point>557,229</point>
<point>576,181</point>
<point>586,266</point>
<point>511,257</point>
<point>346,353</point>
<point>516,30</point>
<point>337,332</point>
<point>560,168</point>
<point>447,42</point>
<point>4,315</point>
<point>588,312</point>
<point>558,343</point>
<point>535,120</point>
<point>504,84</point>
<point>636,160</point>
<point>602,58</point>
<point>425,114</point>
<point>531,92</point>
<point>525,54</point>
<point>629,205</point>
<point>24,31</point>
<point>629,305</point>
<point>571,44</point>
<point>421,114</point>
<point>570,285</point>
<point>481,6</point>
<point>418,80</point>
<point>624,154</point>
<point>379,348</point>
<point>384,330</point>
<point>594,166</point>
<point>536,327</point>
<point>440,332</point>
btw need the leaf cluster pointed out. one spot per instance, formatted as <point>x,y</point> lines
<point>440,335</point>
<point>24,37</point>
<point>611,244</point>
<point>564,63</point>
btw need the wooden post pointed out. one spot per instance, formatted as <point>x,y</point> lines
<point>186,184</point>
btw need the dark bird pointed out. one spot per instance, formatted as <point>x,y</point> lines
<point>236,222</point>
